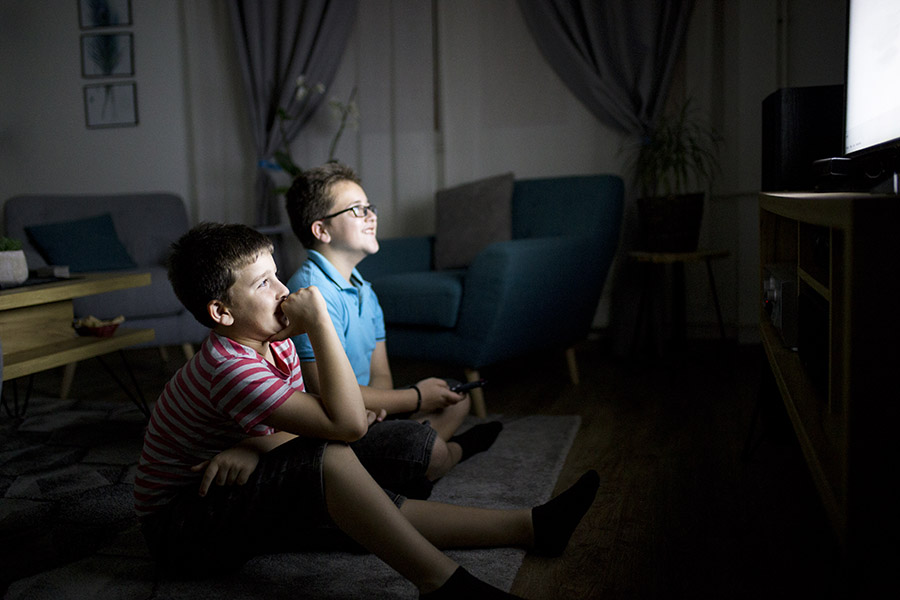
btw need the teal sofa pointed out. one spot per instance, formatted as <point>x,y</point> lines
<point>535,292</point>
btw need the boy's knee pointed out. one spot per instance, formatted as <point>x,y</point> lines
<point>337,455</point>
<point>440,461</point>
<point>460,409</point>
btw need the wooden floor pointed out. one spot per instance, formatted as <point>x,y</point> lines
<point>680,512</point>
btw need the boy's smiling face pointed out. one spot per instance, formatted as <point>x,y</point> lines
<point>253,312</point>
<point>347,232</point>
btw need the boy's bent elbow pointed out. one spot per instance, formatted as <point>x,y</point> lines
<point>361,428</point>
<point>353,431</point>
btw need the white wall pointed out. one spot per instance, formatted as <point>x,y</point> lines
<point>500,108</point>
<point>504,108</point>
<point>220,157</point>
<point>45,146</point>
<point>739,52</point>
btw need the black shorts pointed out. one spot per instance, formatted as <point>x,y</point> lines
<point>282,506</point>
<point>397,453</point>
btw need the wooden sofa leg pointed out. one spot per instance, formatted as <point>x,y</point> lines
<point>68,376</point>
<point>477,395</point>
<point>188,350</point>
<point>573,365</point>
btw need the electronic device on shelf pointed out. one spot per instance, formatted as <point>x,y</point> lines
<point>799,126</point>
<point>780,300</point>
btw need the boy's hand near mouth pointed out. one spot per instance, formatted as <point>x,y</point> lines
<point>302,311</point>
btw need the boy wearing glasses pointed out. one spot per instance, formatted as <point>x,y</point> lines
<point>333,219</point>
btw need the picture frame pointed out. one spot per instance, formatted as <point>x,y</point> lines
<point>111,104</point>
<point>94,14</point>
<point>107,55</point>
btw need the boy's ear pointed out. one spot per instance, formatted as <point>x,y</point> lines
<point>320,233</point>
<point>219,313</point>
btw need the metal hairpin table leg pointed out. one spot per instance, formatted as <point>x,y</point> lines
<point>138,399</point>
<point>715,295</point>
<point>17,412</point>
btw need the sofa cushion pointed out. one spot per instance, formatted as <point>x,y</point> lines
<point>425,298</point>
<point>469,217</point>
<point>85,245</point>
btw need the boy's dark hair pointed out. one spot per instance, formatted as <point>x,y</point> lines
<point>204,262</point>
<point>309,197</point>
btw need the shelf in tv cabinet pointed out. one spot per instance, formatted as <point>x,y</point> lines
<point>812,282</point>
<point>839,388</point>
<point>808,410</point>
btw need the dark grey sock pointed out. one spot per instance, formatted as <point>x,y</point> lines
<point>463,584</point>
<point>555,521</point>
<point>477,439</point>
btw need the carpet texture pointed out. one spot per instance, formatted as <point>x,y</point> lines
<point>520,470</point>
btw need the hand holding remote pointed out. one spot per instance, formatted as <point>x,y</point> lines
<point>462,388</point>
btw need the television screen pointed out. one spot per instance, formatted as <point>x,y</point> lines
<point>872,117</point>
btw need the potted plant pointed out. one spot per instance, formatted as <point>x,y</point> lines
<point>678,156</point>
<point>346,113</point>
<point>13,266</point>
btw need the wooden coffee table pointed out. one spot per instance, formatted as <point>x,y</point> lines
<point>36,323</point>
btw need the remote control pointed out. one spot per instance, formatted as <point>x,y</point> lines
<point>462,388</point>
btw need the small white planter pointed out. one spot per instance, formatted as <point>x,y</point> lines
<point>13,268</point>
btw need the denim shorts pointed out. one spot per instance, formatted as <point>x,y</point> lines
<point>396,453</point>
<point>282,506</point>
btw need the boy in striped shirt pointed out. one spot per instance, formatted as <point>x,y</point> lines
<point>239,460</point>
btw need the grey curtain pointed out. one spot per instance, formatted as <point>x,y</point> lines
<point>277,41</point>
<point>616,56</point>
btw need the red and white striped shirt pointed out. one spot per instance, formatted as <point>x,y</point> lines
<point>221,396</point>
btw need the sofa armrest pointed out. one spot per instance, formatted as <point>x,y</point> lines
<point>399,255</point>
<point>532,292</point>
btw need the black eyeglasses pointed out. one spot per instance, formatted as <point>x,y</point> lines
<point>358,211</point>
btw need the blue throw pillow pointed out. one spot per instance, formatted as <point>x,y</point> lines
<point>84,245</point>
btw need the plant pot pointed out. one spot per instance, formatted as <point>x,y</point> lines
<point>13,268</point>
<point>670,223</point>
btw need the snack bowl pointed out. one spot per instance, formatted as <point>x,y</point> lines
<point>103,331</point>
<point>93,327</point>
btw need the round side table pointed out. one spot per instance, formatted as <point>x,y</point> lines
<point>653,262</point>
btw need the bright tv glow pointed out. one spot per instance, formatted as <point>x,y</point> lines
<point>872,117</point>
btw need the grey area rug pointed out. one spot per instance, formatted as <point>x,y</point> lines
<point>520,470</point>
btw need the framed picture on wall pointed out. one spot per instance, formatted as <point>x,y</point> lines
<point>107,55</point>
<point>110,105</point>
<point>104,13</point>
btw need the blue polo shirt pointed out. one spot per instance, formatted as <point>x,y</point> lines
<point>353,307</point>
